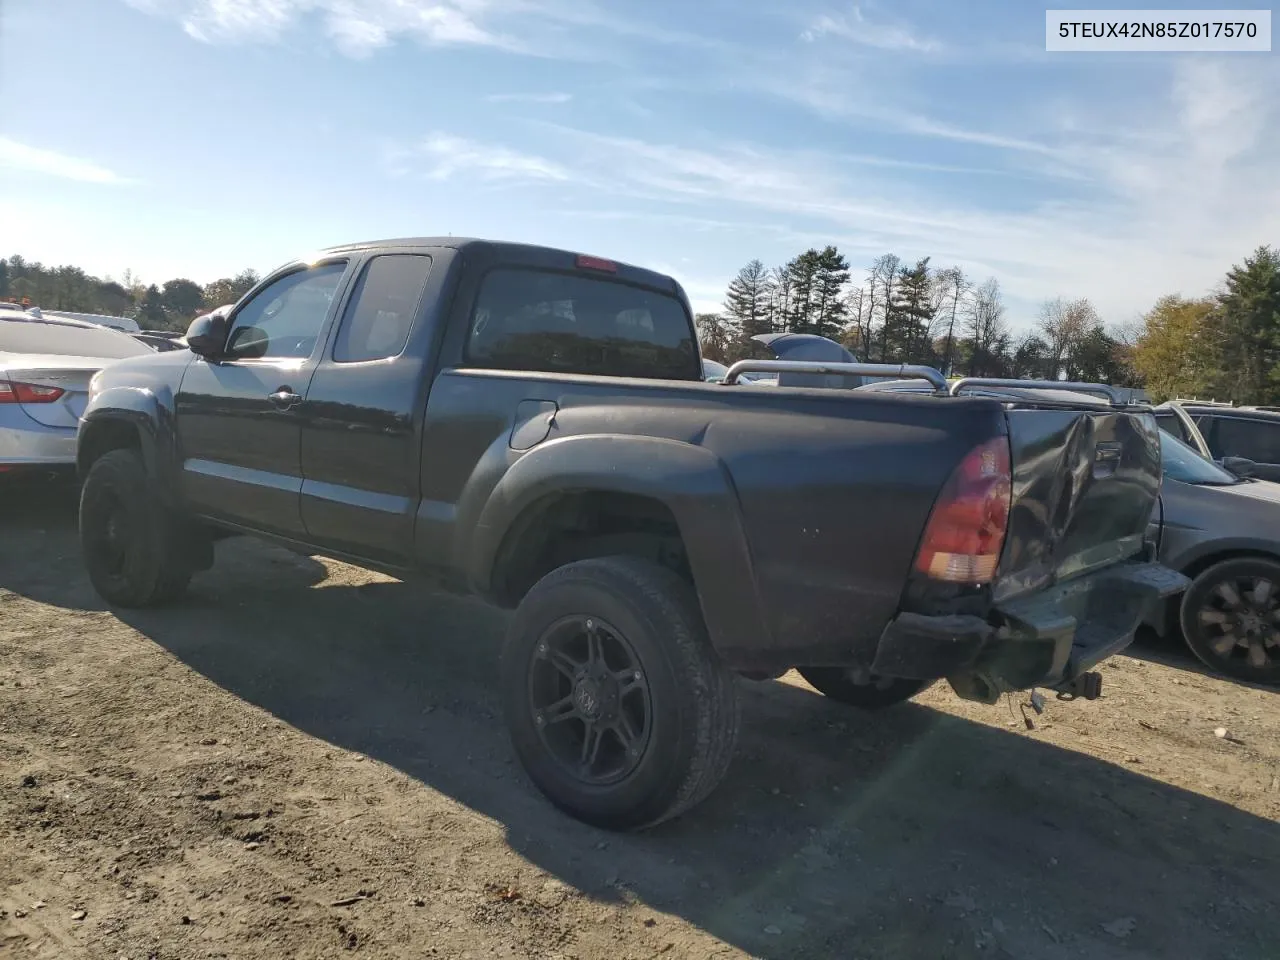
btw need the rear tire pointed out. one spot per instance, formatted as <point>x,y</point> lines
<point>1229,619</point>
<point>609,658</point>
<point>134,547</point>
<point>863,690</point>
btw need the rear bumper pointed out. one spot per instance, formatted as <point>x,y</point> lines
<point>1048,639</point>
<point>27,443</point>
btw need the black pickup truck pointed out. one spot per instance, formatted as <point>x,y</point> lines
<point>532,426</point>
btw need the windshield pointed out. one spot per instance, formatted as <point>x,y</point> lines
<point>1183,463</point>
<point>67,340</point>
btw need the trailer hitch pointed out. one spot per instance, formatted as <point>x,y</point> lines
<point>1087,685</point>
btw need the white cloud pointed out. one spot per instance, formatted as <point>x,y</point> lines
<point>357,27</point>
<point>858,29</point>
<point>444,157</point>
<point>20,156</point>
<point>529,97</point>
<point>1146,215</point>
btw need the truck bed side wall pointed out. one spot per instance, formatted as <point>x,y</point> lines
<point>818,499</point>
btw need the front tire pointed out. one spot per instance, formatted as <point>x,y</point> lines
<point>618,707</point>
<point>861,688</point>
<point>133,545</point>
<point>1230,618</point>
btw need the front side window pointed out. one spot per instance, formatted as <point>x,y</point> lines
<point>1184,464</point>
<point>284,319</point>
<point>381,311</point>
<point>563,323</point>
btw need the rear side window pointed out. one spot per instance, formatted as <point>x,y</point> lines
<point>380,314</point>
<point>531,320</point>
<point>1254,440</point>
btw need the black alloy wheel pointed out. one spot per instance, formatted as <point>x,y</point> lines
<point>590,700</point>
<point>618,706</point>
<point>1231,619</point>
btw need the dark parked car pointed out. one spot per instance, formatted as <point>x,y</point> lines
<point>1223,531</point>
<point>533,426</point>
<point>1248,432</point>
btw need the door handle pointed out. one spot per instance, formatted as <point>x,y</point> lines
<point>284,398</point>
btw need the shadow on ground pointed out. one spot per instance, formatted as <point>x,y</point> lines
<point>907,833</point>
<point>1172,651</point>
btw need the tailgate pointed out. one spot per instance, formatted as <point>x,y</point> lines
<point>1085,483</point>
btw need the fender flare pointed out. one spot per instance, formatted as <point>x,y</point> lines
<point>148,416</point>
<point>691,481</point>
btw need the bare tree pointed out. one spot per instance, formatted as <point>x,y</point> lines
<point>950,288</point>
<point>1064,325</point>
<point>986,331</point>
<point>882,277</point>
<point>780,298</point>
<point>854,337</point>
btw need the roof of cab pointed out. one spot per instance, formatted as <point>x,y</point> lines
<point>517,253</point>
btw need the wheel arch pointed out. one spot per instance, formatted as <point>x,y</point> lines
<point>129,417</point>
<point>670,495</point>
<point>1197,562</point>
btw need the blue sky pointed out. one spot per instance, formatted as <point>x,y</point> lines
<point>197,137</point>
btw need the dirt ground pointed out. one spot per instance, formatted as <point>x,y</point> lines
<point>307,760</point>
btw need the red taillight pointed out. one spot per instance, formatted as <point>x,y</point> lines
<point>965,533</point>
<point>11,392</point>
<point>596,263</point>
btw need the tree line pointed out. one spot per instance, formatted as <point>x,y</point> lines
<point>1224,345</point>
<point>904,312</point>
<point>171,305</point>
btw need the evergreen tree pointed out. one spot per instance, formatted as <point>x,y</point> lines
<point>1249,328</point>
<point>1030,361</point>
<point>1096,358</point>
<point>747,301</point>
<point>829,306</point>
<point>909,315</point>
<point>151,314</point>
<point>801,275</point>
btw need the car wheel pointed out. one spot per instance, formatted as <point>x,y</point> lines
<point>861,688</point>
<point>618,707</point>
<point>1231,619</point>
<point>133,546</point>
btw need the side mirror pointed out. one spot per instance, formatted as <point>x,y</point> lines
<point>207,335</point>
<point>1240,466</point>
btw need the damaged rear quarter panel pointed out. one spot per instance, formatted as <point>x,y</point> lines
<point>1085,484</point>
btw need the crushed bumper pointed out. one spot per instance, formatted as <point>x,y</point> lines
<point>1048,639</point>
